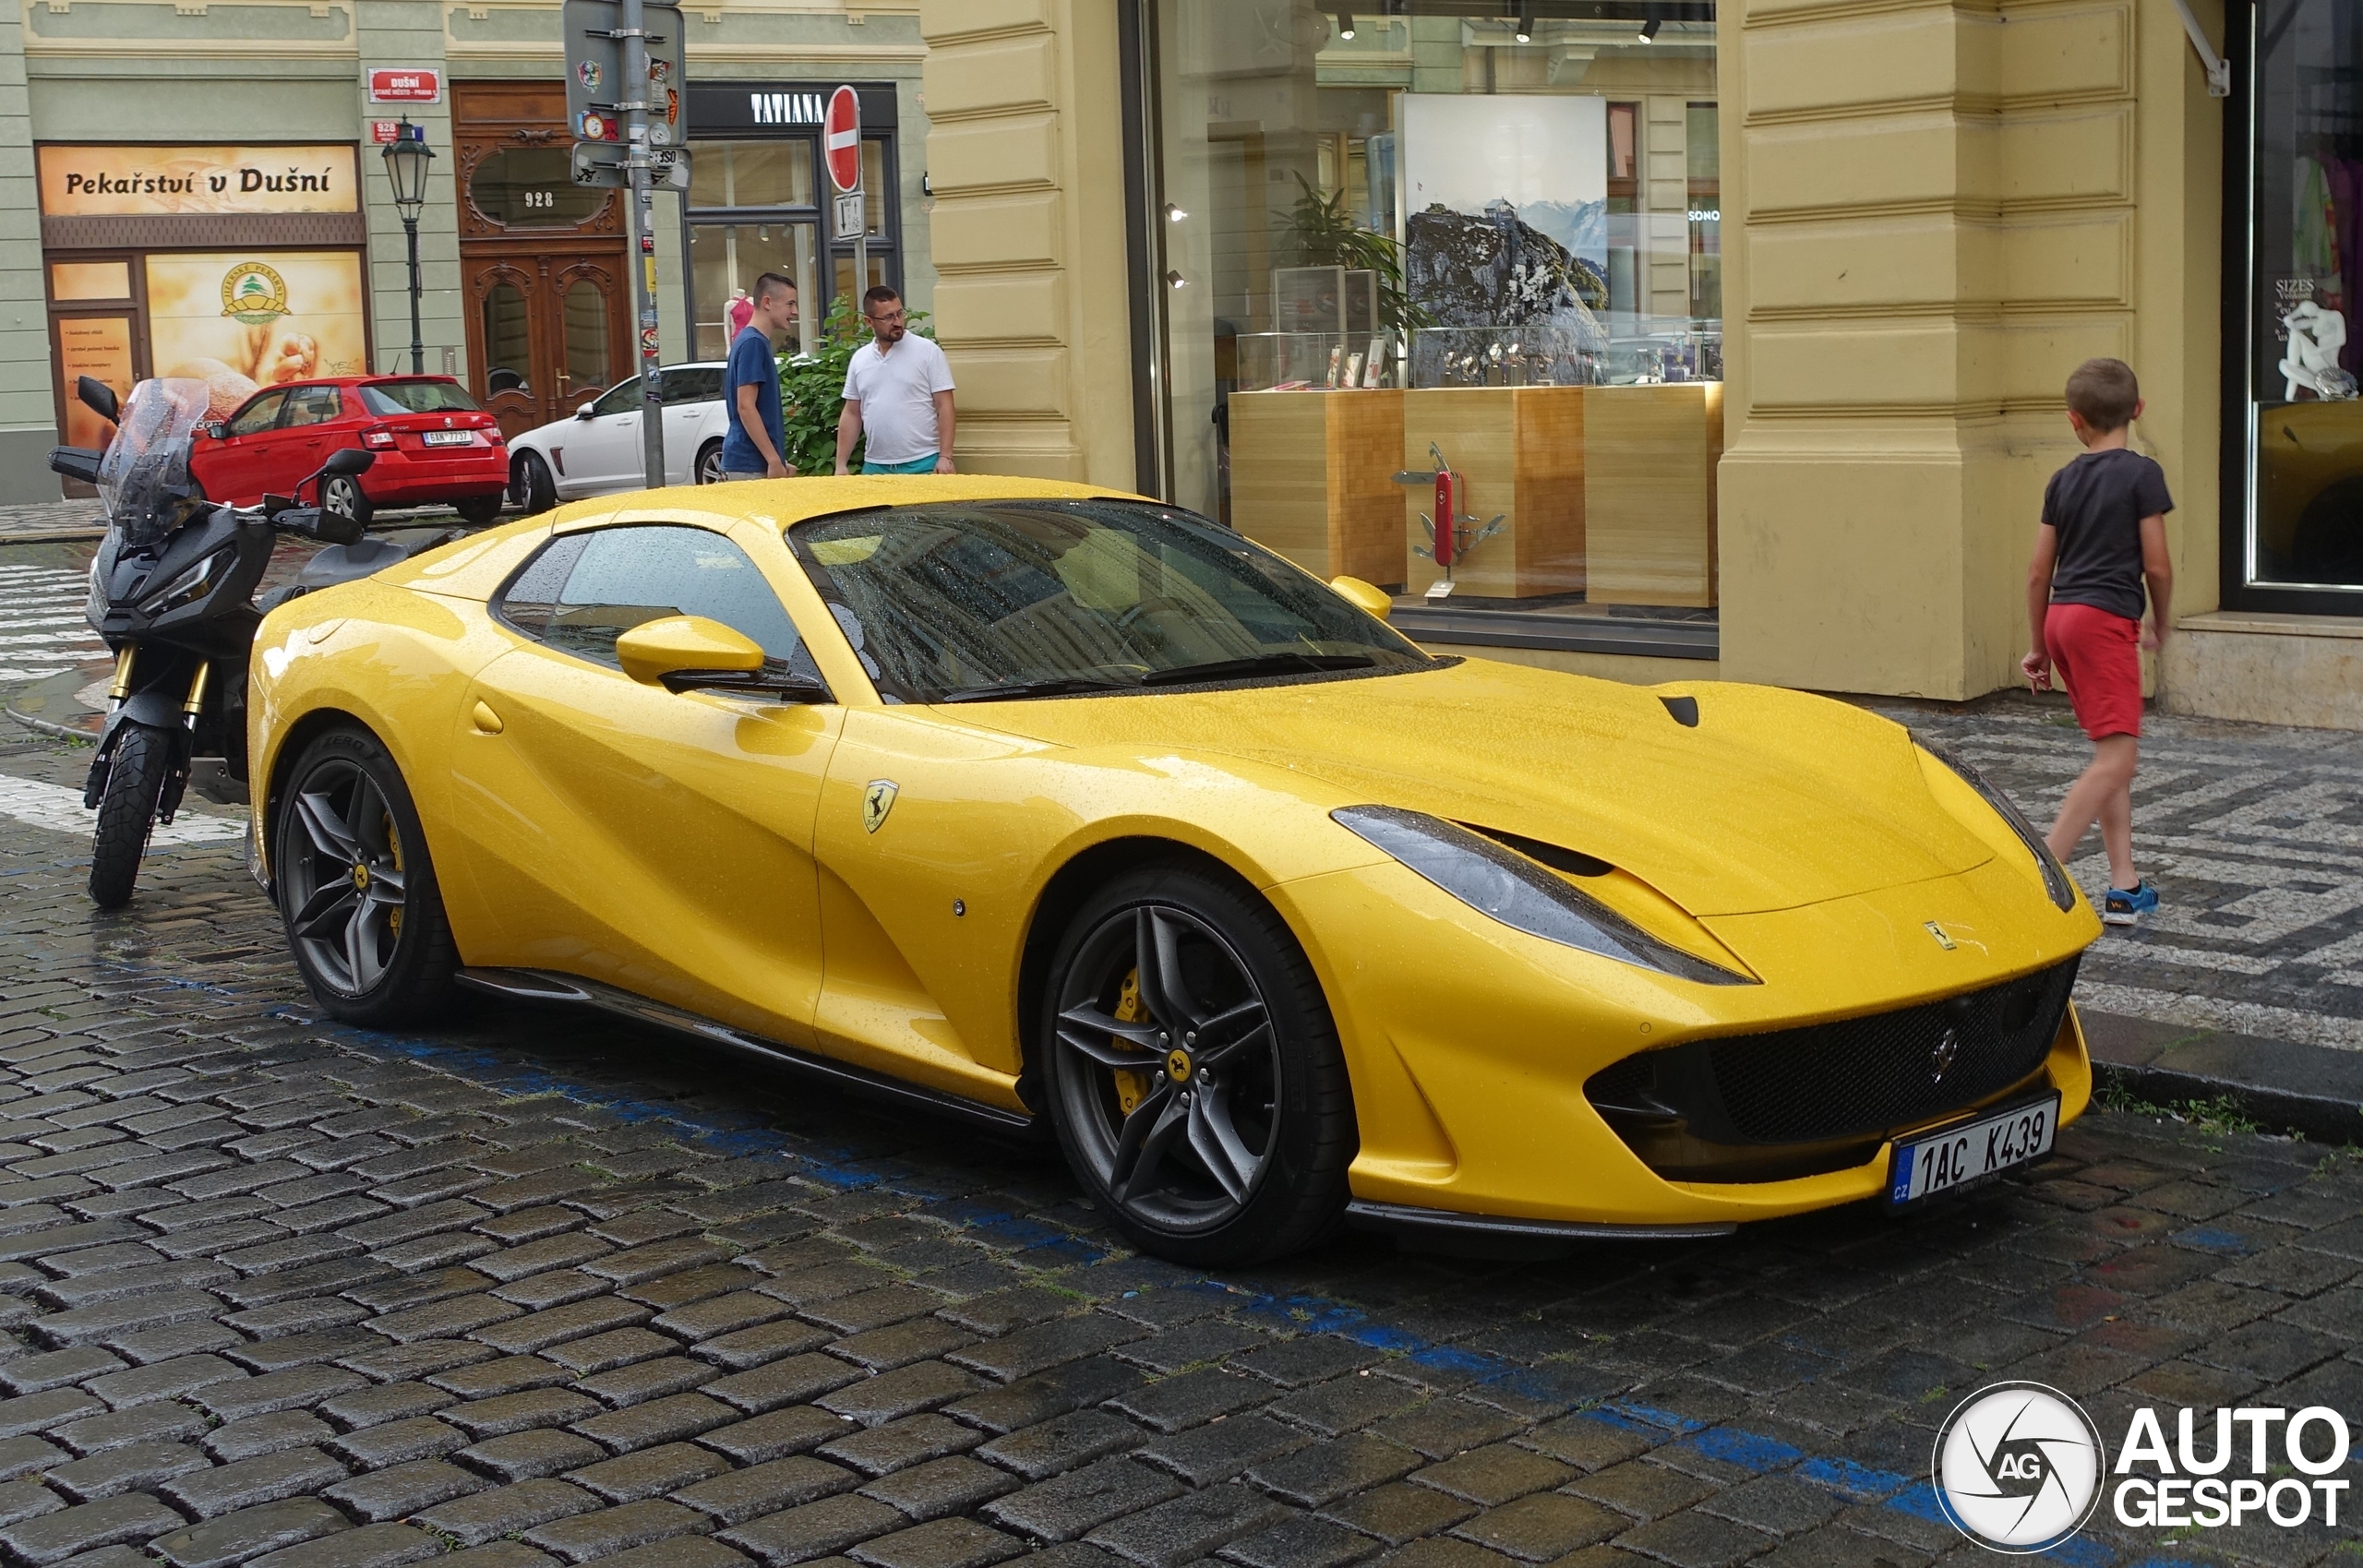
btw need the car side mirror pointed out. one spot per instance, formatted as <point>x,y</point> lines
<point>99,398</point>
<point>690,652</point>
<point>348,461</point>
<point>1367,597</point>
<point>218,431</point>
<point>584,412</point>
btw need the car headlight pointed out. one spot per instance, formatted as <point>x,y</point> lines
<point>1508,887</point>
<point>188,587</point>
<point>2055,876</point>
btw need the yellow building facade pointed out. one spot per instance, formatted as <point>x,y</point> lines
<point>1915,220</point>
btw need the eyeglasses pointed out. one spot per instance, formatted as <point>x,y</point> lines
<point>885,319</point>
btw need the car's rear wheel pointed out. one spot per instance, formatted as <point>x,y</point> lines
<point>1193,1073</point>
<point>531,482</point>
<point>340,494</point>
<point>709,469</point>
<point>477,510</point>
<point>356,889</point>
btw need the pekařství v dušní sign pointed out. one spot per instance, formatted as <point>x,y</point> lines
<point>182,179</point>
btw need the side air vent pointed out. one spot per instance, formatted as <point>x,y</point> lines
<point>1683,708</point>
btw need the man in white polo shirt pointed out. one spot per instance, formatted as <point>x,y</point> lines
<point>898,389</point>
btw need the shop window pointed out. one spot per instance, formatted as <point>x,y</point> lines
<point>90,281</point>
<point>2303,536</point>
<point>533,187</point>
<point>1439,245</point>
<point>751,174</point>
<point>725,261</point>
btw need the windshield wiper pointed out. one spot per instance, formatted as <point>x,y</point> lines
<point>1282,663</point>
<point>1058,686</point>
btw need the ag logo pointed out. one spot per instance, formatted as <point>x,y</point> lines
<point>2018,1467</point>
<point>876,801</point>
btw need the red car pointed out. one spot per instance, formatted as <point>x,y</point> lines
<point>435,446</point>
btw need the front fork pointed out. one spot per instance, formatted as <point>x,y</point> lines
<point>119,694</point>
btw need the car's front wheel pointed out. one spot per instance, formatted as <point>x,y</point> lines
<point>531,482</point>
<point>356,889</point>
<point>1192,1070</point>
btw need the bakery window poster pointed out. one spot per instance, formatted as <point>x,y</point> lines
<point>243,322</point>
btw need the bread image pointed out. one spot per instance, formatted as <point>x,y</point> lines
<point>225,389</point>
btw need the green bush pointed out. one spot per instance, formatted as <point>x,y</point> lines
<point>812,387</point>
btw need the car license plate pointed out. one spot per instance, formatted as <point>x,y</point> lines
<point>449,437</point>
<point>1970,1152</point>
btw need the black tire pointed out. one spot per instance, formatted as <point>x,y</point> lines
<point>340,494</point>
<point>477,510</point>
<point>531,482</point>
<point>348,835</point>
<point>709,464</point>
<point>128,812</point>
<point>1234,1150</point>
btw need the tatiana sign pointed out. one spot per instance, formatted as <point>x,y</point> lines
<point>118,181</point>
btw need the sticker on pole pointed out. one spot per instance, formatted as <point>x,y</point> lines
<point>841,136</point>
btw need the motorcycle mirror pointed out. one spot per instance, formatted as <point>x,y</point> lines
<point>349,461</point>
<point>99,398</point>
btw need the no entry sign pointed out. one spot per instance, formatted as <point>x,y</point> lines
<point>841,138</point>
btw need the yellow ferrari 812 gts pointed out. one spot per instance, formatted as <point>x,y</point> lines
<point>1037,804</point>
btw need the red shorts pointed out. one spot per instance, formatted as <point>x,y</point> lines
<point>2097,656</point>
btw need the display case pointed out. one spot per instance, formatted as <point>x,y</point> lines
<point>1649,493</point>
<point>1296,362</point>
<point>1312,476</point>
<point>1520,454</point>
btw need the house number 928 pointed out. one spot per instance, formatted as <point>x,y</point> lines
<point>541,199</point>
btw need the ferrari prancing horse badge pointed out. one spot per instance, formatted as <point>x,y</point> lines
<point>876,801</point>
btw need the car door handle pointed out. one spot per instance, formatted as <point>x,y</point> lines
<point>485,720</point>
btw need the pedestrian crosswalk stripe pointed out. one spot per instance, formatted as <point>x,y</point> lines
<point>59,808</point>
<point>43,629</point>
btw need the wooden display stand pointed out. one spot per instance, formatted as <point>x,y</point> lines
<point>1522,452</point>
<point>1650,492</point>
<point>1312,476</point>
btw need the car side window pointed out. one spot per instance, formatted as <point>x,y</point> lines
<point>312,405</point>
<point>259,414</point>
<point>691,384</point>
<point>622,398</point>
<point>585,590</point>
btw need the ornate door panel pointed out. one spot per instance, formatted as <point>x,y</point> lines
<point>541,257</point>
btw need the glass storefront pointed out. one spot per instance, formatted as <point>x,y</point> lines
<point>1440,292</point>
<point>2304,506</point>
<point>759,203</point>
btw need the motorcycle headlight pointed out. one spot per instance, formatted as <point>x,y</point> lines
<point>188,587</point>
<point>94,608</point>
<point>1508,887</point>
<point>2055,876</point>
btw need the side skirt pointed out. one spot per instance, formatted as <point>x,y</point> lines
<point>1442,1224</point>
<point>542,986</point>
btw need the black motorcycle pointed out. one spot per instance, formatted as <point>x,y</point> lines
<point>171,592</point>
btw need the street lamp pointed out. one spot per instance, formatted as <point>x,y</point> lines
<point>407,157</point>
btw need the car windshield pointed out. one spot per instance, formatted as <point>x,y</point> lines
<point>416,397</point>
<point>979,600</point>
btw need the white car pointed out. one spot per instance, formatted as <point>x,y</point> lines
<point>596,452</point>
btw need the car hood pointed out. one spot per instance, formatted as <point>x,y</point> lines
<point>1774,800</point>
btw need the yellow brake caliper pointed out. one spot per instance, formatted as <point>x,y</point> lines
<point>1131,1084</point>
<point>394,850</point>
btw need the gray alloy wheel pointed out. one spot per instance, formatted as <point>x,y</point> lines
<point>531,486</point>
<point>340,494</point>
<point>1169,1069</point>
<point>709,467</point>
<point>356,892</point>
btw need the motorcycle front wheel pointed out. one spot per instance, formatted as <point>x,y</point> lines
<point>128,812</point>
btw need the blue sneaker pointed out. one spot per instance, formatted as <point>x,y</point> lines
<point>2123,908</point>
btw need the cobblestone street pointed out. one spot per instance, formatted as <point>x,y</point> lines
<point>534,1288</point>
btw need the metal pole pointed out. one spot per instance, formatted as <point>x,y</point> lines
<point>640,203</point>
<point>417,349</point>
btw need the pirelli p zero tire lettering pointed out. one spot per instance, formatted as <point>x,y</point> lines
<point>1193,1072</point>
<point>357,887</point>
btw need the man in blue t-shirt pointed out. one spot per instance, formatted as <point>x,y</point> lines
<point>756,446</point>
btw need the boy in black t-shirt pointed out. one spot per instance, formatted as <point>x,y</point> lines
<point>2103,535</point>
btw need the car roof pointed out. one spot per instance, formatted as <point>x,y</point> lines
<point>784,502</point>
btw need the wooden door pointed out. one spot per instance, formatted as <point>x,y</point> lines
<point>542,259</point>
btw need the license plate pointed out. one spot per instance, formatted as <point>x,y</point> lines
<point>1970,1152</point>
<point>449,437</point>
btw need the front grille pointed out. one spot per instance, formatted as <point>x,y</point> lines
<point>1758,1101</point>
